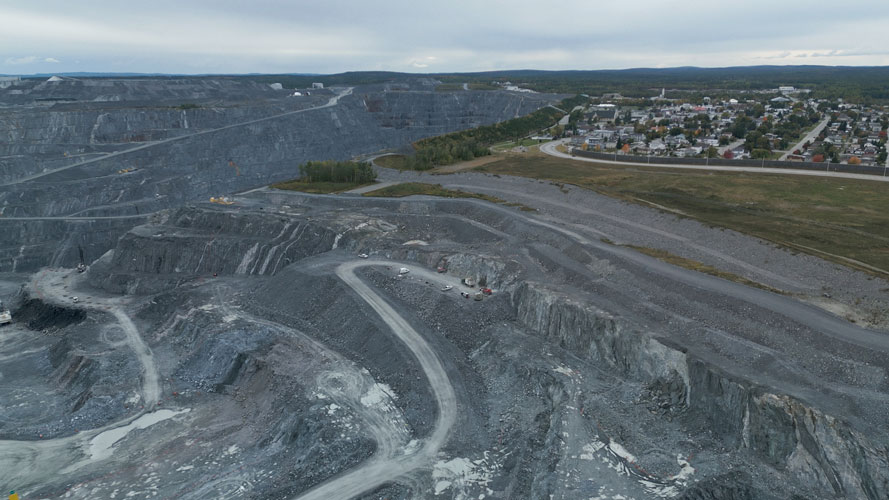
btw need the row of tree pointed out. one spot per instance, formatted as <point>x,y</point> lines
<point>468,144</point>
<point>337,171</point>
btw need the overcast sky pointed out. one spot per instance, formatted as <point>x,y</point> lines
<point>328,36</point>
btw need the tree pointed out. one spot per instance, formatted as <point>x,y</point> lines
<point>728,155</point>
<point>742,125</point>
<point>758,110</point>
<point>761,153</point>
<point>712,152</point>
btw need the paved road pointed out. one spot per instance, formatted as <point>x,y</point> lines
<point>550,149</point>
<point>372,187</point>
<point>380,470</point>
<point>808,138</point>
<point>732,145</point>
<point>331,102</point>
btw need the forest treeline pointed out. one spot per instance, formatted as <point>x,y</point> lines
<point>468,144</point>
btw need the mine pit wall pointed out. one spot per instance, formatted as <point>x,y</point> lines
<point>29,245</point>
<point>198,241</point>
<point>783,432</point>
<point>199,166</point>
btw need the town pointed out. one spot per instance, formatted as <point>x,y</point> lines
<point>782,124</point>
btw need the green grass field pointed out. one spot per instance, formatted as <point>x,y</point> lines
<point>397,162</point>
<point>842,220</point>
<point>316,187</point>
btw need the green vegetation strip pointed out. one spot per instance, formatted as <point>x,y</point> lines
<point>318,187</point>
<point>468,144</point>
<point>842,220</point>
<point>330,177</point>
<point>700,267</point>
<point>398,162</point>
<point>420,188</point>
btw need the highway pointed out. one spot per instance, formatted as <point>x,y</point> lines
<point>810,137</point>
<point>384,468</point>
<point>550,149</point>
<point>333,101</point>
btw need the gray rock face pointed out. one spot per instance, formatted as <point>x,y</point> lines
<point>181,155</point>
<point>783,431</point>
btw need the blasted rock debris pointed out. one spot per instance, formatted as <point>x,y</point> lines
<point>287,368</point>
<point>295,346</point>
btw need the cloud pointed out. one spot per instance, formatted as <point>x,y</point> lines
<point>21,60</point>
<point>269,36</point>
<point>15,61</point>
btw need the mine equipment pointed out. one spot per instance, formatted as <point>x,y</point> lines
<point>441,269</point>
<point>362,256</point>
<point>222,200</point>
<point>470,282</point>
<point>464,295</point>
<point>479,296</point>
<point>487,291</point>
<point>81,267</point>
<point>404,270</point>
<point>446,288</point>
<point>13,495</point>
<point>5,315</point>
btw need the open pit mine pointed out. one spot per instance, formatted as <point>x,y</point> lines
<point>284,345</point>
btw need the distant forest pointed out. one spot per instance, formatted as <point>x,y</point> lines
<point>856,84</point>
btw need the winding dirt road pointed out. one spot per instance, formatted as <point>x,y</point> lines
<point>384,468</point>
<point>28,463</point>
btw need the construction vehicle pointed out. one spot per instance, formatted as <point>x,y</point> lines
<point>5,315</point>
<point>82,266</point>
<point>470,282</point>
<point>479,296</point>
<point>486,291</point>
<point>464,295</point>
<point>362,256</point>
<point>404,270</point>
<point>222,200</point>
<point>13,495</point>
<point>443,267</point>
<point>446,288</point>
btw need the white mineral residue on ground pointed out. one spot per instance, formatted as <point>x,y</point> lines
<point>100,446</point>
<point>461,473</point>
<point>377,394</point>
<point>416,242</point>
<point>621,451</point>
<point>590,449</point>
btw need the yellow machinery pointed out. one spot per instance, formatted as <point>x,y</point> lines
<point>222,200</point>
<point>13,495</point>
